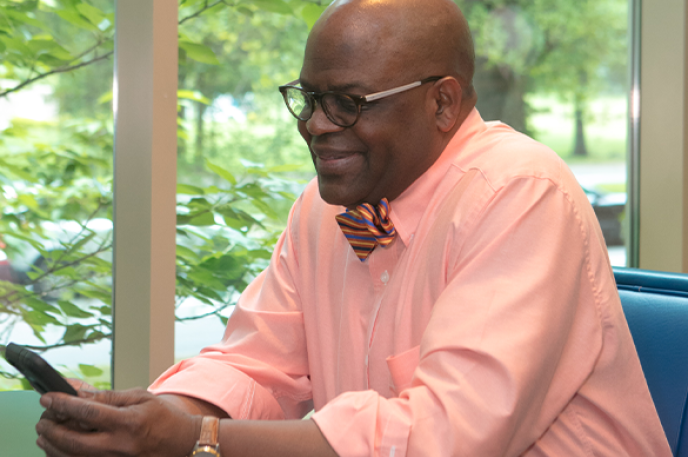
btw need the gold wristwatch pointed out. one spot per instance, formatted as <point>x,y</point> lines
<point>208,445</point>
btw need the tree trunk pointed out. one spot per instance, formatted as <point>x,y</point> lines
<point>580,147</point>
<point>200,124</point>
<point>200,131</point>
<point>181,115</point>
<point>501,95</point>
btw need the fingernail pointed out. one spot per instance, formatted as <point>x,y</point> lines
<point>46,402</point>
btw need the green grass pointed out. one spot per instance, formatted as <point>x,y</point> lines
<point>605,127</point>
<point>615,187</point>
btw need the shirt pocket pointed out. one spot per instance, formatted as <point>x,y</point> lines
<point>401,368</point>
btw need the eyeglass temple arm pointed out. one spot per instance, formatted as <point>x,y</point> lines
<point>396,90</point>
<point>387,93</point>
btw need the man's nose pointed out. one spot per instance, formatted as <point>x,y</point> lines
<point>320,124</point>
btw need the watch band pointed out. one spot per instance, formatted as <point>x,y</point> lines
<point>207,444</point>
<point>209,430</point>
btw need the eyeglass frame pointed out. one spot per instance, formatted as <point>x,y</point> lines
<point>359,100</point>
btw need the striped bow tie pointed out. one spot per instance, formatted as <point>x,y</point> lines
<point>367,226</point>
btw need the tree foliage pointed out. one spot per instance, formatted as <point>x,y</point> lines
<point>571,49</point>
<point>56,175</point>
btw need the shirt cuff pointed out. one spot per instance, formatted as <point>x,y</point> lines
<point>220,385</point>
<point>364,423</point>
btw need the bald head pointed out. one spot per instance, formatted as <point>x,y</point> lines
<point>363,47</point>
<point>412,39</point>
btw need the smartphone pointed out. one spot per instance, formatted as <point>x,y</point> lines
<point>42,377</point>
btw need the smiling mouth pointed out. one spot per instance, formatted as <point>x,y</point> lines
<point>333,155</point>
<point>336,163</point>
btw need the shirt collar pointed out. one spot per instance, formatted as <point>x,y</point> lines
<point>407,210</point>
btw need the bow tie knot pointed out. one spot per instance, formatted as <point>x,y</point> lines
<point>367,226</point>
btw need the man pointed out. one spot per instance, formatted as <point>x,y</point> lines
<point>485,323</point>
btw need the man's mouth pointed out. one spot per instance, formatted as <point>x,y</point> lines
<point>328,161</point>
<point>327,155</point>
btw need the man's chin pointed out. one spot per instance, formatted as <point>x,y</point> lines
<point>338,195</point>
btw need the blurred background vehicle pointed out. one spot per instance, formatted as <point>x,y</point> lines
<point>609,208</point>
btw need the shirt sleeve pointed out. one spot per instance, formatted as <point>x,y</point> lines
<point>511,339</point>
<point>260,368</point>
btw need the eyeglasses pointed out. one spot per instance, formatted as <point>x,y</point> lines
<point>340,108</point>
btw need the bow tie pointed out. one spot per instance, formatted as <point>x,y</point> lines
<point>366,226</point>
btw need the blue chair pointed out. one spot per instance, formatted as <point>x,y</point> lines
<point>656,308</point>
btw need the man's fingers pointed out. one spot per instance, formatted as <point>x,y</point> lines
<point>59,441</point>
<point>53,416</point>
<point>81,386</point>
<point>49,449</point>
<point>83,389</point>
<point>63,420</point>
<point>122,398</point>
<point>87,413</point>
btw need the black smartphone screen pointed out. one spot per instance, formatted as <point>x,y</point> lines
<point>43,377</point>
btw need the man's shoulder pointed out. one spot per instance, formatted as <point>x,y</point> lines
<point>503,154</point>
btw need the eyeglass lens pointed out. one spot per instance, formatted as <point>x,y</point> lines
<point>299,103</point>
<point>339,108</point>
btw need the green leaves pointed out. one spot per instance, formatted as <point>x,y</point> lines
<point>273,6</point>
<point>225,174</point>
<point>311,13</point>
<point>193,95</point>
<point>90,371</point>
<point>74,17</point>
<point>215,261</point>
<point>71,310</point>
<point>93,14</point>
<point>49,52</point>
<point>198,52</point>
<point>56,177</point>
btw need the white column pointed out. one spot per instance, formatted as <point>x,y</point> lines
<point>664,136</point>
<point>145,100</point>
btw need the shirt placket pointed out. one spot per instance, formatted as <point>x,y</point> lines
<point>381,267</point>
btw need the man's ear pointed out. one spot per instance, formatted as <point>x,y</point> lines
<point>447,96</point>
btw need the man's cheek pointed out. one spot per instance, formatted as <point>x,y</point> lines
<point>304,132</point>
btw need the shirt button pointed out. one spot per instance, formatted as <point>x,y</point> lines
<point>384,277</point>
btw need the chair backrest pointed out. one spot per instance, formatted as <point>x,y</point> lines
<point>19,413</point>
<point>656,308</point>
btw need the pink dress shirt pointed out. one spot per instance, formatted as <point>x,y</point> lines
<point>490,327</point>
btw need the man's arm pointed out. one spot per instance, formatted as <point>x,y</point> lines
<point>135,423</point>
<point>194,406</point>
<point>263,350</point>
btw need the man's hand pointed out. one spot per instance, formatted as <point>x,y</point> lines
<point>110,423</point>
<point>84,390</point>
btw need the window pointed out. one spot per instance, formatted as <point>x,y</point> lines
<point>241,160</point>
<point>558,71</point>
<point>56,184</point>
<point>664,94</point>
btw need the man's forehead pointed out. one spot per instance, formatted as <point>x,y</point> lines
<point>320,75</point>
<point>339,64</point>
<point>353,86</point>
